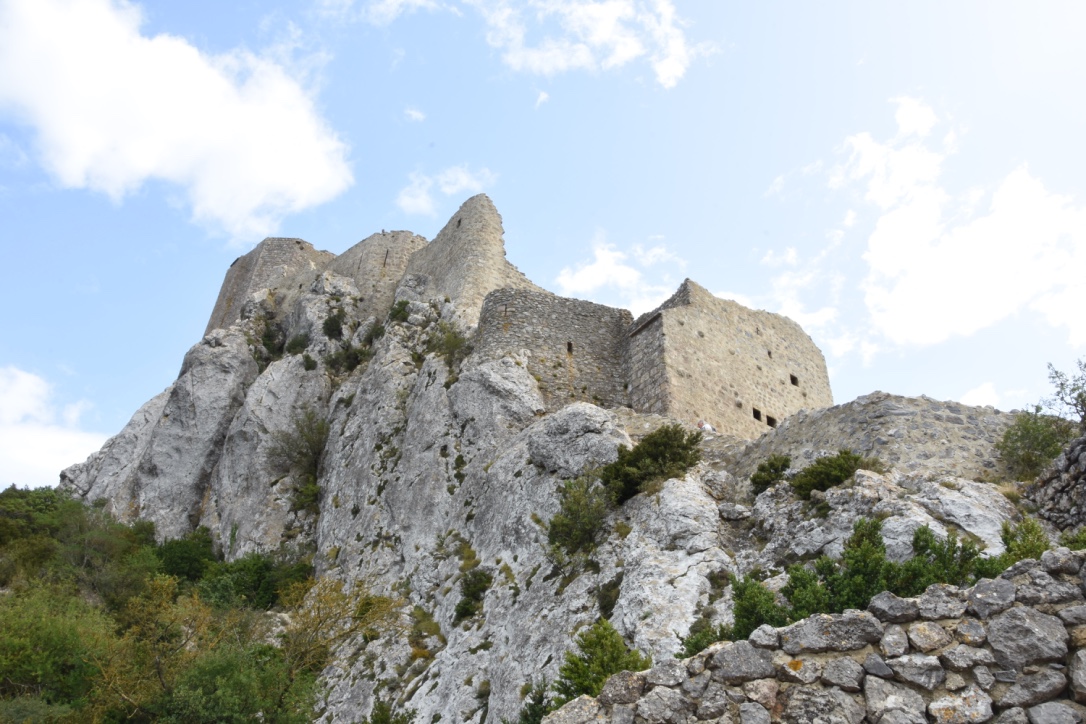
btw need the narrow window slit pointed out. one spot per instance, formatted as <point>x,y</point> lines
<point>757,414</point>
<point>794,379</point>
<point>771,421</point>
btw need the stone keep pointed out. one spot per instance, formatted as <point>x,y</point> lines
<point>696,357</point>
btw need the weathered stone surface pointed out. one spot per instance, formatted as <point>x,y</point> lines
<point>1022,636</point>
<point>1078,676</point>
<point>831,632</point>
<point>940,601</point>
<point>1033,689</point>
<point>962,657</point>
<point>1053,713</point>
<point>695,686</point>
<point>889,608</point>
<point>762,691</point>
<point>983,676</point>
<point>969,705</point>
<point>990,597</point>
<point>918,669</point>
<point>625,687</point>
<point>714,702</point>
<point>954,681</point>
<point>663,705</point>
<point>1073,615</point>
<point>1043,587</point>
<point>741,662</point>
<point>927,636</point>
<point>875,666</point>
<point>581,710</point>
<point>895,642</point>
<point>804,705</point>
<point>765,637</point>
<point>800,671</point>
<point>971,632</point>
<point>844,673</point>
<point>670,672</point>
<point>1061,560</point>
<point>1013,716</point>
<point>885,697</point>
<point>751,713</point>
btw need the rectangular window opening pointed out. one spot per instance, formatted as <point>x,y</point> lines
<point>794,379</point>
<point>757,414</point>
<point>771,421</point>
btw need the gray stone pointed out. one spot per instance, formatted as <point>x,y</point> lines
<point>1078,676</point>
<point>1005,676</point>
<point>807,704</point>
<point>954,682</point>
<point>663,705</point>
<point>963,657</point>
<point>875,666</point>
<point>1073,615</point>
<point>800,671</point>
<point>670,672</point>
<point>714,702</point>
<point>765,637</point>
<point>1043,587</point>
<point>1013,716</point>
<point>889,608</point>
<point>918,669</point>
<point>1033,689</point>
<point>971,632</point>
<point>846,631</point>
<point>1061,560</point>
<point>625,687</point>
<point>582,710</point>
<point>1053,713</point>
<point>927,636</point>
<point>741,662</point>
<point>623,714</point>
<point>885,697</point>
<point>844,673</point>
<point>695,687</point>
<point>751,713</point>
<point>894,642</point>
<point>762,691</point>
<point>969,705</point>
<point>940,601</point>
<point>990,597</point>
<point>1022,636</point>
<point>983,676</point>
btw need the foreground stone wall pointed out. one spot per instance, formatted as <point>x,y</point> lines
<point>1009,651</point>
<point>577,347</point>
<point>1060,492</point>
<point>269,264</point>
<point>742,370</point>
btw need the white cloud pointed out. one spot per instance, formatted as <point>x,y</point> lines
<point>34,446</point>
<point>375,12</point>
<point>414,114</point>
<point>113,108</point>
<point>850,219</point>
<point>914,117</point>
<point>589,35</point>
<point>739,298</point>
<point>981,395</point>
<point>786,258</point>
<point>610,275</point>
<point>542,98</point>
<point>941,265</point>
<point>416,197</point>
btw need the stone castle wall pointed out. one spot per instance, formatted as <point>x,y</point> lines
<point>1060,492</point>
<point>268,265</point>
<point>739,369</point>
<point>1009,650</point>
<point>577,347</point>
<point>377,264</point>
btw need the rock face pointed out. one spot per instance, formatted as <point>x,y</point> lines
<point>1060,492</point>
<point>438,461</point>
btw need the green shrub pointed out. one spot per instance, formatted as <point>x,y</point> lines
<point>703,635</point>
<point>583,507</point>
<point>399,311</point>
<point>189,556</point>
<point>1024,540</point>
<point>473,587</point>
<point>667,452</point>
<point>754,605</point>
<point>601,652</point>
<point>448,343</point>
<point>830,471</point>
<point>333,325</point>
<point>297,343</point>
<point>537,703</point>
<point>254,581</point>
<point>607,595</point>
<point>308,363</point>
<point>769,473</point>
<point>1032,441</point>
<point>381,713</point>
<point>298,451</point>
<point>347,358</point>
<point>273,340</point>
<point>1075,541</point>
<point>375,333</point>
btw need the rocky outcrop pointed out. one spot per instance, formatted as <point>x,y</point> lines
<point>937,658</point>
<point>1060,492</point>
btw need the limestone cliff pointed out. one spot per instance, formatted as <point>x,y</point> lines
<point>437,460</point>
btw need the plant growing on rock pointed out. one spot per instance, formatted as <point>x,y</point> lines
<point>298,451</point>
<point>473,587</point>
<point>667,452</point>
<point>297,344</point>
<point>333,325</point>
<point>583,507</point>
<point>1070,395</point>
<point>770,472</point>
<point>830,471</point>
<point>601,652</point>
<point>399,312</point>
<point>1032,441</point>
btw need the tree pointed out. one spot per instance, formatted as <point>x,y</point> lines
<point>601,653</point>
<point>1032,441</point>
<point>1069,399</point>
<point>664,453</point>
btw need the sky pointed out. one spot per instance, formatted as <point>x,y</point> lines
<point>902,179</point>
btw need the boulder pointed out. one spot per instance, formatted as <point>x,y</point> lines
<point>969,705</point>
<point>741,662</point>
<point>990,597</point>
<point>918,669</point>
<point>846,631</point>
<point>1022,636</point>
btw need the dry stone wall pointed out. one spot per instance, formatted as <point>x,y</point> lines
<point>577,347</point>
<point>1060,492</point>
<point>268,265</point>
<point>741,370</point>
<point>1010,650</point>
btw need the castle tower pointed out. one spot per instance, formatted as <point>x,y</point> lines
<point>377,265</point>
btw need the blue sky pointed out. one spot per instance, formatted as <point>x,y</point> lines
<point>902,179</point>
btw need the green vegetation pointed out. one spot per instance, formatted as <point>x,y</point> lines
<point>333,325</point>
<point>1069,399</point>
<point>770,472</point>
<point>664,453</point>
<point>298,451</point>
<point>1032,441</point>
<point>1075,541</point>
<point>399,312</point>
<point>381,713</point>
<point>297,344</point>
<point>473,587</point>
<point>578,525</point>
<point>347,358</point>
<point>600,653</point>
<point>830,471</point>
<point>308,363</point>
<point>448,343</point>
<point>101,624</point>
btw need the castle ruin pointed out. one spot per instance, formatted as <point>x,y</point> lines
<point>696,357</point>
